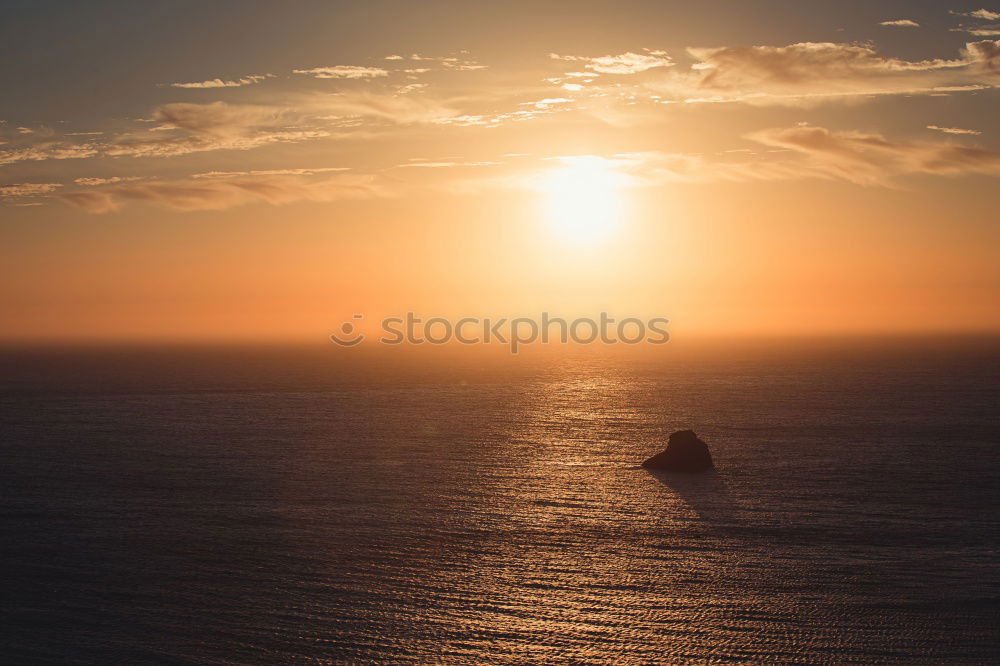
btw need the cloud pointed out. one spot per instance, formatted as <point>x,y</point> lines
<point>647,169</point>
<point>655,168</point>
<point>799,62</point>
<point>652,168</point>
<point>954,130</point>
<point>269,172</point>
<point>901,23</point>
<point>344,72</point>
<point>191,194</point>
<point>220,83</point>
<point>131,146</point>
<point>548,102</point>
<point>105,181</point>
<point>207,127</point>
<point>216,118</point>
<point>462,66</point>
<point>427,164</point>
<point>27,189</point>
<point>871,159</point>
<point>985,53</point>
<point>181,128</point>
<point>461,62</point>
<point>410,88</point>
<point>983,31</point>
<point>811,71</point>
<point>800,152</point>
<point>493,120</point>
<point>397,109</point>
<point>49,150</point>
<point>983,14</point>
<point>978,29</point>
<point>625,63</point>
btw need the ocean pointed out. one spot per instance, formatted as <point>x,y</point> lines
<point>235,505</point>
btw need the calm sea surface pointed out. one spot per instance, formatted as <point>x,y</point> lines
<point>279,505</point>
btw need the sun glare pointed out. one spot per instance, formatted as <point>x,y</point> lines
<point>582,199</point>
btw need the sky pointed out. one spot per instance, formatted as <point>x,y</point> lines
<point>263,170</point>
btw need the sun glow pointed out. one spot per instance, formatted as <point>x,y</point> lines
<point>582,199</point>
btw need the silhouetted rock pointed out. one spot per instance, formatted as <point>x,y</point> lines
<point>684,453</point>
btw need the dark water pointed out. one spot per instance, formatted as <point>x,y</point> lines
<point>292,505</point>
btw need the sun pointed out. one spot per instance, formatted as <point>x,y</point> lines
<point>582,199</point>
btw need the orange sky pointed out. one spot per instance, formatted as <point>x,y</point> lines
<point>806,175</point>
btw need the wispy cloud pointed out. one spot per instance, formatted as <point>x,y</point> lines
<point>901,23</point>
<point>983,31</point>
<point>394,108</point>
<point>48,150</point>
<point>980,29</point>
<point>222,193</point>
<point>984,14</point>
<point>625,63</point>
<point>27,189</point>
<point>548,102</point>
<point>954,130</point>
<point>224,83</point>
<point>655,168</point>
<point>344,72</point>
<point>208,127</point>
<point>105,181</point>
<point>133,146</point>
<point>430,164</point>
<point>871,159</point>
<point>269,172</point>
<point>460,62</point>
<point>799,152</point>
<point>216,118</point>
<point>810,72</point>
<point>181,128</point>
